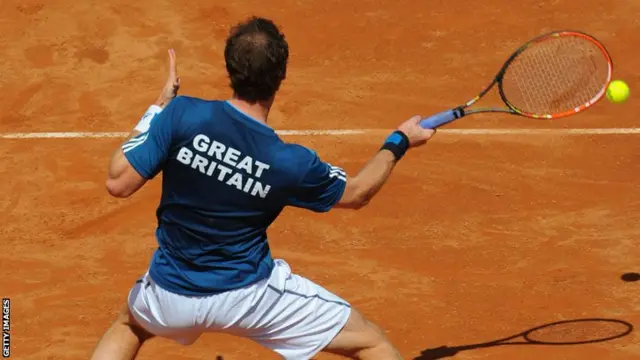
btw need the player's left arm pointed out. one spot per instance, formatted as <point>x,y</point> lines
<point>123,180</point>
<point>130,169</point>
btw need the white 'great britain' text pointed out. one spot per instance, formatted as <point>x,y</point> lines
<point>217,160</point>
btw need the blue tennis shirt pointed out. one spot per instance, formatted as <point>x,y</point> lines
<point>225,178</point>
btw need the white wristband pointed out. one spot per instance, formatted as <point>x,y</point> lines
<point>145,122</point>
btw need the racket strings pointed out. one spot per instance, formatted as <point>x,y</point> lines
<point>554,71</point>
<point>549,88</point>
<point>556,75</point>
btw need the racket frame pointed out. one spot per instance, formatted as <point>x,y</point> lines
<point>462,110</point>
<point>547,37</point>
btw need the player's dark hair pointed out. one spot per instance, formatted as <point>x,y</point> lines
<point>256,56</point>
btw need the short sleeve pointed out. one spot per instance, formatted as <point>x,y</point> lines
<point>321,185</point>
<point>148,151</point>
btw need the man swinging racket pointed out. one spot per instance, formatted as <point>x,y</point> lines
<point>226,177</point>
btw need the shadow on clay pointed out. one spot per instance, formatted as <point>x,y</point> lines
<point>561,333</point>
<point>630,277</point>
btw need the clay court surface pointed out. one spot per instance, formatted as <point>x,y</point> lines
<point>475,237</point>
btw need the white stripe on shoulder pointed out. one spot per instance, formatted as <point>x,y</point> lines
<point>132,147</point>
<point>338,175</point>
<point>135,140</point>
<point>336,172</point>
<point>134,143</point>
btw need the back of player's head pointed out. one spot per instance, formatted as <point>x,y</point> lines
<point>256,56</point>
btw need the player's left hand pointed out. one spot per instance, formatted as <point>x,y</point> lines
<point>171,87</point>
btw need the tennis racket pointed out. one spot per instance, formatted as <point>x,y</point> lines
<point>551,76</point>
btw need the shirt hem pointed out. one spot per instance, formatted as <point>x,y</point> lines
<point>180,291</point>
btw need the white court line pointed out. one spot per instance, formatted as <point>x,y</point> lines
<point>63,135</point>
<point>601,131</point>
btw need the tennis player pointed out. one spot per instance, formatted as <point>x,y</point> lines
<point>226,178</point>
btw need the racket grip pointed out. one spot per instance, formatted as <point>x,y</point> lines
<point>442,118</point>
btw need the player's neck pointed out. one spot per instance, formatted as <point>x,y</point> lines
<point>257,110</point>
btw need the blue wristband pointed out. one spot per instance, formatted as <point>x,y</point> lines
<point>398,143</point>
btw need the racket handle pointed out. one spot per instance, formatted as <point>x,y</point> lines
<point>442,118</point>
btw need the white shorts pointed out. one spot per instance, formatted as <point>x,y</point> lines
<point>286,313</point>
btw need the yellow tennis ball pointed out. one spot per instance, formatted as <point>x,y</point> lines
<point>618,91</point>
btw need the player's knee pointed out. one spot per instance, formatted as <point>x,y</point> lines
<point>372,331</point>
<point>377,347</point>
<point>362,339</point>
<point>383,350</point>
<point>375,344</point>
<point>377,337</point>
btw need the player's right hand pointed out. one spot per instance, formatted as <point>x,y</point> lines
<point>416,134</point>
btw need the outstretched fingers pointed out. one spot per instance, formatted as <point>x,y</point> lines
<point>173,68</point>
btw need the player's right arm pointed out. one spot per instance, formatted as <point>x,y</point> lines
<point>323,186</point>
<point>361,188</point>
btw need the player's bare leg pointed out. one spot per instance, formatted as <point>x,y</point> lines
<point>123,339</point>
<point>363,340</point>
